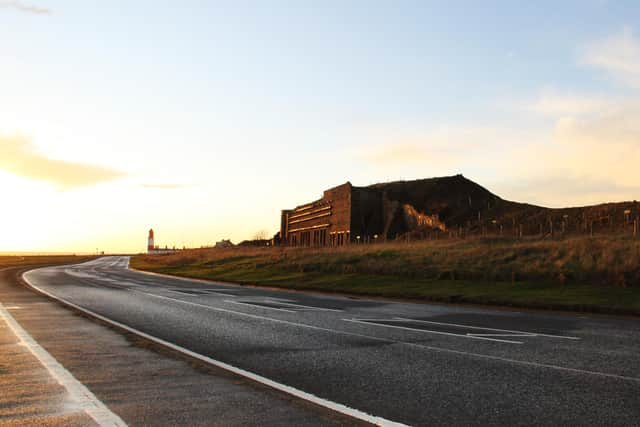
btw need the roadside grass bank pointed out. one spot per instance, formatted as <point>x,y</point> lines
<point>27,260</point>
<point>582,274</point>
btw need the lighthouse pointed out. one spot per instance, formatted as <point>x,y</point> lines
<point>150,243</point>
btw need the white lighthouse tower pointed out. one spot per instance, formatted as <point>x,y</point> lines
<point>150,243</point>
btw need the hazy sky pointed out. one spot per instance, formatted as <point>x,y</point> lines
<point>203,119</point>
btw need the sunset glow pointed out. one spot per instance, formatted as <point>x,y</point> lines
<point>202,120</point>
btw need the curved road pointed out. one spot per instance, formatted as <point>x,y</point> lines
<point>417,364</point>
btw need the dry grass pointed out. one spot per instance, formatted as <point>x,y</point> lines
<point>611,261</point>
<point>587,274</point>
<point>17,261</point>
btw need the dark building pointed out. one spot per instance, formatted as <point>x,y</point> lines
<point>347,214</point>
<point>344,214</point>
<point>425,208</point>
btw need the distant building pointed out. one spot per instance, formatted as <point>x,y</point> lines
<point>224,243</point>
<point>345,214</point>
<point>153,249</point>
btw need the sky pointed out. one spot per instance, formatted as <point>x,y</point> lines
<point>203,119</point>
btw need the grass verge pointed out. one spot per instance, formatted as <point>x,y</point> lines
<point>582,274</point>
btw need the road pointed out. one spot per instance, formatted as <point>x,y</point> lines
<point>417,364</point>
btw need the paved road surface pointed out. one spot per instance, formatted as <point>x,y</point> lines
<point>418,364</point>
<point>58,368</point>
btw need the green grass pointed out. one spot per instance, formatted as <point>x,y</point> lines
<point>578,274</point>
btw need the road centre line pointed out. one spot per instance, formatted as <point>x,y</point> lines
<point>428,331</point>
<point>485,329</point>
<point>410,344</point>
<point>390,341</point>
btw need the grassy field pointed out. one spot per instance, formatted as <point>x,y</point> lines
<point>589,274</point>
<point>17,261</point>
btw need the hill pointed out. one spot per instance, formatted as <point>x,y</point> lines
<point>462,206</point>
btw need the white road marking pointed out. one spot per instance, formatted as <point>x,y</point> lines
<point>202,292</point>
<point>309,307</point>
<point>503,335</point>
<point>257,305</point>
<point>428,331</point>
<point>486,329</point>
<point>374,338</point>
<point>391,341</point>
<point>91,405</point>
<point>334,406</point>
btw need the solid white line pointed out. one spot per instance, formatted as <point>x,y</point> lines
<point>485,329</point>
<point>428,331</point>
<point>91,405</point>
<point>334,406</point>
<point>258,306</point>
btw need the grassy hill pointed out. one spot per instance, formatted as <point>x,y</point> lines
<point>467,208</point>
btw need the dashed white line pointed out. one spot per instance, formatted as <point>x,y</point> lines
<point>428,331</point>
<point>308,307</point>
<point>410,344</point>
<point>484,329</point>
<point>258,306</point>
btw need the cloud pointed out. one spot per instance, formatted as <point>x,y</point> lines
<point>554,104</point>
<point>24,7</point>
<point>619,55</point>
<point>166,186</point>
<point>18,156</point>
<point>443,148</point>
<point>586,158</point>
<point>587,152</point>
<point>560,190</point>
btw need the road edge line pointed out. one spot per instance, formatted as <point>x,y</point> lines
<point>87,401</point>
<point>333,406</point>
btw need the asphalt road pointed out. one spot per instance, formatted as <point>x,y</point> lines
<point>418,364</point>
